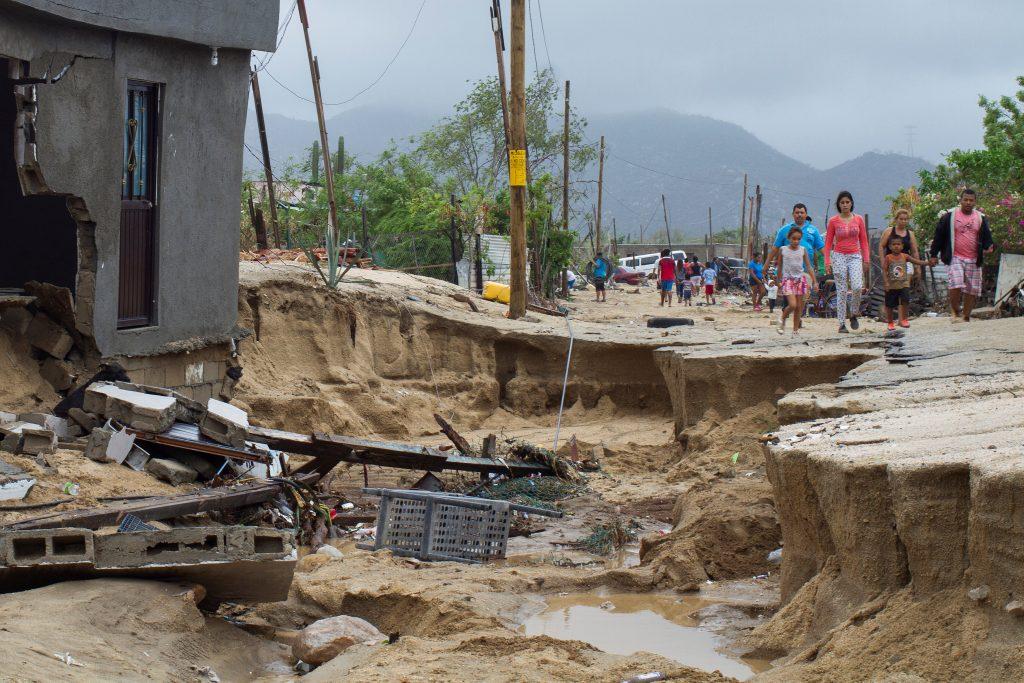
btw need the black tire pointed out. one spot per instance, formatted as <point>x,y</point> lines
<point>668,322</point>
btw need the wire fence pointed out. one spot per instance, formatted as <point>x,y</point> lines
<point>431,253</point>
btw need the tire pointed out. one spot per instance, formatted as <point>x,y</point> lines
<point>668,322</point>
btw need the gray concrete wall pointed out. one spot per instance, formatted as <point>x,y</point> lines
<point>80,147</point>
<point>244,24</point>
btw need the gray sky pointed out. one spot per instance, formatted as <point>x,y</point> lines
<point>821,80</point>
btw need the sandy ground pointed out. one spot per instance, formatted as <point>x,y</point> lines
<point>377,359</point>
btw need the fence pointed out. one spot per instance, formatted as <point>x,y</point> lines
<point>431,253</point>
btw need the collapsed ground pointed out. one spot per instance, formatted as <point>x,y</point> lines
<point>678,417</point>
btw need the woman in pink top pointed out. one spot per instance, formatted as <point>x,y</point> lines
<point>847,257</point>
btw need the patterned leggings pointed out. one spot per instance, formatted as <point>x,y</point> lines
<point>848,270</point>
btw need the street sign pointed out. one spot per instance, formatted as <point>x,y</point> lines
<point>517,167</point>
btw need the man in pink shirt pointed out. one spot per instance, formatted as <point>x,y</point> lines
<point>962,238</point>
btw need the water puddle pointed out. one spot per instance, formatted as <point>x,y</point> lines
<point>660,624</point>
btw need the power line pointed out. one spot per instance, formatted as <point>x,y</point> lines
<point>281,33</point>
<point>533,36</point>
<point>383,73</point>
<point>544,34</point>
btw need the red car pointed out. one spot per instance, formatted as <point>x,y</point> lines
<point>627,276</point>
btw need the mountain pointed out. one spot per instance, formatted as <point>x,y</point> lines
<point>368,131</point>
<point>695,161</point>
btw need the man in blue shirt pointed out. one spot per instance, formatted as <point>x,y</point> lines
<point>600,275</point>
<point>812,241</point>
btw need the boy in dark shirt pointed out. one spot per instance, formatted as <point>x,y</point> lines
<point>897,281</point>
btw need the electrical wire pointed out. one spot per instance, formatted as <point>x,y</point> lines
<point>544,35</point>
<point>533,36</point>
<point>281,32</point>
<point>377,80</point>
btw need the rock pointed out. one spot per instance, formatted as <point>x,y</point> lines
<point>171,471</point>
<point>978,593</point>
<point>325,639</point>
<point>87,421</point>
<point>58,373</point>
<point>48,336</point>
<point>225,423</point>
<point>16,320</point>
<point>38,440</point>
<point>329,551</point>
<point>203,467</point>
<point>1015,607</point>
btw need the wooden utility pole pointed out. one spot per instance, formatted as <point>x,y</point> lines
<point>565,182</point>
<point>743,217</point>
<point>756,230</point>
<point>517,163</point>
<point>615,239</point>
<point>267,173</point>
<point>600,192</point>
<point>668,233</point>
<point>314,73</point>
<point>499,48</point>
<point>711,237</point>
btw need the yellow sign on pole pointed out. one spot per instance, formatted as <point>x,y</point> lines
<point>517,167</point>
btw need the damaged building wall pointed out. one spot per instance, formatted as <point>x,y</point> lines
<point>80,140</point>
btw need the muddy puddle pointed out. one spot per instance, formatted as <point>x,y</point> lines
<point>624,623</point>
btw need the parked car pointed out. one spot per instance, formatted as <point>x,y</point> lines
<point>645,264</point>
<point>627,276</point>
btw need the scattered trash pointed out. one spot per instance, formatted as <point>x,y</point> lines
<point>735,457</point>
<point>775,556</point>
<point>132,523</point>
<point>607,605</point>
<point>71,488</point>
<point>16,489</point>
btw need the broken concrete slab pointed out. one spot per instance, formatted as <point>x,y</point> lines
<point>325,639</point>
<point>188,410</point>
<point>6,417</point>
<point>139,410</point>
<point>171,471</point>
<point>16,489</point>
<point>225,423</point>
<point>233,563</point>
<point>38,441</point>
<point>204,467</point>
<point>46,335</point>
<point>86,421</point>
<point>106,444</point>
<point>16,321</point>
<point>58,425</point>
<point>60,374</point>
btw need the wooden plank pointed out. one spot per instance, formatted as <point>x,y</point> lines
<point>160,507</point>
<point>453,436</point>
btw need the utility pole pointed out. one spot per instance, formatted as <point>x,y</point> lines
<point>314,73</point>
<point>668,234</point>
<point>565,182</point>
<point>711,237</point>
<point>757,217</point>
<point>600,192</point>
<point>499,48</point>
<point>339,167</point>
<point>362,212</point>
<point>267,173</point>
<point>743,217</point>
<point>517,163</point>
<point>453,236</point>
<point>615,239</point>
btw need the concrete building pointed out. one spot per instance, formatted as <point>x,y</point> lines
<point>121,128</point>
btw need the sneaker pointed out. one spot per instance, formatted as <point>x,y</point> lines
<point>780,329</point>
<point>892,326</point>
<point>757,309</point>
<point>904,323</point>
<point>843,330</point>
<point>796,333</point>
<point>853,323</point>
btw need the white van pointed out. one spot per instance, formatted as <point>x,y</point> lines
<point>648,263</point>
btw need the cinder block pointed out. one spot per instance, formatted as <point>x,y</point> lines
<point>48,336</point>
<point>48,546</point>
<point>38,441</point>
<point>175,546</point>
<point>171,471</point>
<point>225,423</point>
<point>213,371</point>
<point>86,421</point>
<point>108,445</point>
<point>145,412</point>
<point>203,392</point>
<point>246,541</point>
<point>58,425</point>
<point>58,373</point>
<point>95,398</point>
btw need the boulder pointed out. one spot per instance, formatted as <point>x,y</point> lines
<point>324,640</point>
<point>171,471</point>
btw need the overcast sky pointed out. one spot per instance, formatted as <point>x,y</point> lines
<point>821,80</point>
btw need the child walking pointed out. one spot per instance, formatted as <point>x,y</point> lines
<point>709,275</point>
<point>773,292</point>
<point>896,275</point>
<point>795,263</point>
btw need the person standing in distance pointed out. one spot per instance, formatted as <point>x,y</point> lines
<point>962,238</point>
<point>600,275</point>
<point>812,241</point>
<point>847,257</point>
<point>666,276</point>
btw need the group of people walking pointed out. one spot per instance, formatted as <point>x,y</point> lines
<point>962,238</point>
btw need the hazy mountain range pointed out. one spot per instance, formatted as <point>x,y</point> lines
<point>695,161</point>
